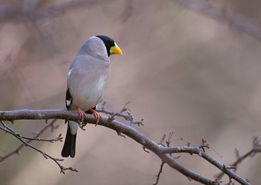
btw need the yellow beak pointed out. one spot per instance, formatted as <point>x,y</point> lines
<point>116,50</point>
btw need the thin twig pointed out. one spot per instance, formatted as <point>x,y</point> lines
<point>58,138</point>
<point>51,140</point>
<point>256,148</point>
<point>17,150</point>
<point>158,175</point>
<point>124,113</point>
<point>45,155</point>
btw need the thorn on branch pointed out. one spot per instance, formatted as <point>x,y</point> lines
<point>169,140</point>
<point>237,153</point>
<point>111,117</point>
<point>162,141</point>
<point>60,137</point>
<point>120,134</point>
<point>256,146</point>
<point>224,167</point>
<point>145,150</point>
<point>256,141</point>
<point>204,145</point>
<point>18,152</point>
<point>176,157</point>
<point>44,155</point>
<point>189,178</point>
<point>231,167</point>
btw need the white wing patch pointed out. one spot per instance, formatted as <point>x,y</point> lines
<point>68,102</point>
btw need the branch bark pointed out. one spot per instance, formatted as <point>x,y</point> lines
<point>163,152</point>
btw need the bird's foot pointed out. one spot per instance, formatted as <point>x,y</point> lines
<point>81,114</point>
<point>96,115</point>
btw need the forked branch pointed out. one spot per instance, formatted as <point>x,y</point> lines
<point>163,152</point>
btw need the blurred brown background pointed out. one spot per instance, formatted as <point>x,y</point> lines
<point>188,67</point>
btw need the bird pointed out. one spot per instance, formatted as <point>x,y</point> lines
<point>87,78</point>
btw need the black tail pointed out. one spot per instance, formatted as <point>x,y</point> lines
<point>69,144</point>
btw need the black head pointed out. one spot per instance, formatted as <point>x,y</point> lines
<point>108,42</point>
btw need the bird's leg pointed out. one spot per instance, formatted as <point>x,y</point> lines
<point>96,115</point>
<point>81,114</point>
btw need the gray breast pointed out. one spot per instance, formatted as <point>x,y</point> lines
<point>87,79</point>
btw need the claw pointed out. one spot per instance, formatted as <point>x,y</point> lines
<point>96,115</point>
<point>81,114</point>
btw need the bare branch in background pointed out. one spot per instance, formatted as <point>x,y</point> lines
<point>29,140</point>
<point>256,148</point>
<point>34,10</point>
<point>218,11</point>
<point>17,150</point>
<point>163,152</point>
<point>8,129</point>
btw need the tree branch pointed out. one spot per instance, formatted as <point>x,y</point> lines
<point>9,130</point>
<point>35,11</point>
<point>220,12</point>
<point>163,152</point>
<point>47,156</point>
<point>17,150</point>
<point>27,143</point>
<point>256,148</point>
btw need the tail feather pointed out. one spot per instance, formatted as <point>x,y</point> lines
<point>69,144</point>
